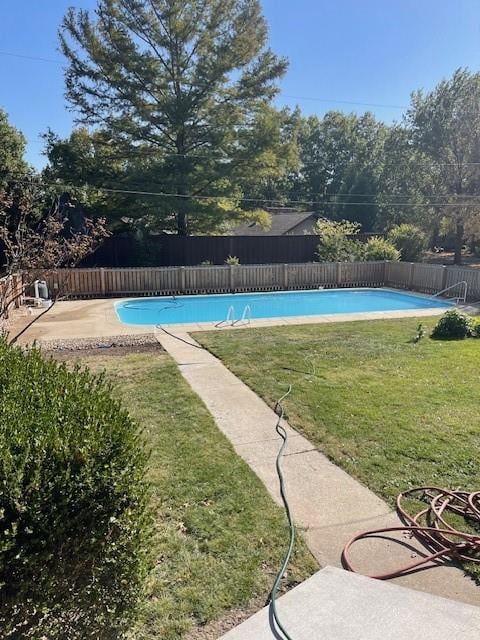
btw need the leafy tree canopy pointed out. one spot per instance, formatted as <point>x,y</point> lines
<point>12,150</point>
<point>340,163</point>
<point>83,166</point>
<point>445,125</point>
<point>184,88</point>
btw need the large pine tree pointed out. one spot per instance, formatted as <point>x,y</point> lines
<point>186,86</point>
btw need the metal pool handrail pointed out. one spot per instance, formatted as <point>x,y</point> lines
<point>459,298</point>
<point>230,317</point>
<point>246,315</point>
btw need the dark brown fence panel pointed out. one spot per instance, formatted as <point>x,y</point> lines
<point>169,250</point>
<point>166,250</point>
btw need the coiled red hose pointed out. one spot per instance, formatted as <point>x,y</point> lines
<point>430,527</point>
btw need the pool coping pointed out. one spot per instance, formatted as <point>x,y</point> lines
<point>277,321</point>
<point>298,320</point>
<point>96,318</point>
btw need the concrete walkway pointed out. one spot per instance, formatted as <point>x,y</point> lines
<point>337,605</point>
<point>327,503</point>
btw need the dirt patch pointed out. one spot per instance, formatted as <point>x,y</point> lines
<point>89,344</point>
<point>103,351</point>
<point>217,628</point>
<point>446,258</point>
<point>109,346</point>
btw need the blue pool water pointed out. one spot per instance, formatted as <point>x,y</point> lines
<point>215,308</point>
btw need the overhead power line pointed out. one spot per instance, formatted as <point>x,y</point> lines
<point>27,57</point>
<point>283,95</point>
<point>281,198</point>
<point>223,159</point>
<point>350,102</point>
<point>308,163</point>
<point>264,201</point>
<point>139,152</point>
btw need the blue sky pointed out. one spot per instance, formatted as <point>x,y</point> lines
<point>365,51</point>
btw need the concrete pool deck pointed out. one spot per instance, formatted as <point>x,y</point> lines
<point>97,318</point>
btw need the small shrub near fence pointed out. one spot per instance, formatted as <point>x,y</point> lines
<point>409,240</point>
<point>454,325</point>
<point>379,249</point>
<point>73,503</point>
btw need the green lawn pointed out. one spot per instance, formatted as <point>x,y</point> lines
<point>391,413</point>
<point>219,536</point>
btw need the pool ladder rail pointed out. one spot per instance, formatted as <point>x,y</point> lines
<point>230,319</point>
<point>246,316</point>
<point>462,298</point>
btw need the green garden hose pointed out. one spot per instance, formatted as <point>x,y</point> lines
<point>281,632</point>
<point>282,432</point>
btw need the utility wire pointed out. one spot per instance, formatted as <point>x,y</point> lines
<point>303,163</point>
<point>351,102</point>
<point>27,57</point>
<point>284,95</point>
<point>221,159</point>
<point>282,198</point>
<point>276,202</point>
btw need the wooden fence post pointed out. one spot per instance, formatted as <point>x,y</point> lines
<point>103,287</point>
<point>339,273</point>
<point>410,277</point>
<point>181,278</point>
<point>444,278</point>
<point>384,272</point>
<point>285,276</point>
<point>232,278</point>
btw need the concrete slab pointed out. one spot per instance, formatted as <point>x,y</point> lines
<point>337,605</point>
<point>77,319</point>
<point>328,504</point>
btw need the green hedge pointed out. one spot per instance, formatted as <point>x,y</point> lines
<point>379,249</point>
<point>409,240</point>
<point>453,325</point>
<point>74,519</point>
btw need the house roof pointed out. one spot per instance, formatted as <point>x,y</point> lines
<point>283,221</point>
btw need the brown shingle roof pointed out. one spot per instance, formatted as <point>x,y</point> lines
<point>283,222</point>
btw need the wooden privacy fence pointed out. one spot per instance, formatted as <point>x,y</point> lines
<point>432,278</point>
<point>103,282</point>
<point>11,290</point>
<point>100,282</point>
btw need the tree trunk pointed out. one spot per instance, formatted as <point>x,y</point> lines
<point>435,235</point>
<point>459,230</point>
<point>182,207</point>
<point>182,229</point>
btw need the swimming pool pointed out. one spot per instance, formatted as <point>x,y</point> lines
<point>275,304</point>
